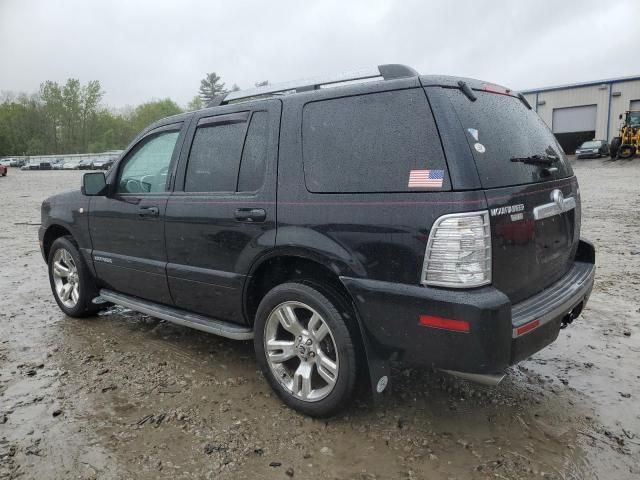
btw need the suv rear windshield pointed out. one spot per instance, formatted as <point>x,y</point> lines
<point>379,142</point>
<point>499,128</point>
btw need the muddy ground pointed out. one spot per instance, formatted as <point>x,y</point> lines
<point>122,395</point>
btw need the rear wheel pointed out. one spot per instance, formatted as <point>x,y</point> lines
<point>71,282</point>
<point>305,349</point>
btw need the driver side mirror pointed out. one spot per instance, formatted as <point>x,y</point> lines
<point>620,117</point>
<point>94,184</point>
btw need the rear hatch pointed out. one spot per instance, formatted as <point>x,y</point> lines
<point>532,194</point>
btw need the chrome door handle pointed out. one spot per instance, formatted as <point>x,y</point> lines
<point>149,211</point>
<point>250,215</point>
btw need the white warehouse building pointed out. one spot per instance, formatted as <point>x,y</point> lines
<point>585,111</point>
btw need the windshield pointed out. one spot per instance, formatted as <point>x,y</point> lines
<point>499,128</point>
<point>634,118</point>
<point>592,144</point>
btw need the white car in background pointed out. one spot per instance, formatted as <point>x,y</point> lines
<point>57,164</point>
<point>71,165</point>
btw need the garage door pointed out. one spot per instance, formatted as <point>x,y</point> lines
<point>574,125</point>
<point>634,105</point>
<point>574,119</point>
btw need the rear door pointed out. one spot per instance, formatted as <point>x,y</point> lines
<point>222,214</point>
<point>534,208</point>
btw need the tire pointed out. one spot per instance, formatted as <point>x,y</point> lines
<point>614,146</point>
<point>325,353</point>
<point>626,151</point>
<point>63,255</point>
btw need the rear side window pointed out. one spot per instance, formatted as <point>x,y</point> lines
<point>381,142</point>
<point>226,156</point>
<point>499,128</point>
<point>215,157</point>
<point>254,154</point>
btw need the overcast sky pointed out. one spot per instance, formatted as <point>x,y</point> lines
<point>141,50</point>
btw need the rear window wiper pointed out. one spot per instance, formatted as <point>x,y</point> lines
<point>545,160</point>
<point>466,89</point>
<point>524,100</point>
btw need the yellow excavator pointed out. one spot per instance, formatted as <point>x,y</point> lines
<point>628,143</point>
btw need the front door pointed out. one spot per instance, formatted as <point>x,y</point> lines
<point>127,226</point>
<point>222,213</point>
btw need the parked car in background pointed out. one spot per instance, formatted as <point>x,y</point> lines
<point>102,164</point>
<point>593,149</point>
<point>45,166</point>
<point>30,166</point>
<point>71,165</point>
<point>3,170</point>
<point>18,162</point>
<point>84,164</point>
<point>57,164</point>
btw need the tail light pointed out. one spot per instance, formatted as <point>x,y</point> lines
<point>458,251</point>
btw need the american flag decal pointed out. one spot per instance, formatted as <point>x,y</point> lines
<point>426,178</point>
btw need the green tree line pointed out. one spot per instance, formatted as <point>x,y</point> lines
<point>70,118</point>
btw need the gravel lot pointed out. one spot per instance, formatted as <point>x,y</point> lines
<point>122,395</point>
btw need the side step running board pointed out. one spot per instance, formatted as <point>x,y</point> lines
<point>180,317</point>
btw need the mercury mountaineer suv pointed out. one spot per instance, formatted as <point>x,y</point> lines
<point>339,223</point>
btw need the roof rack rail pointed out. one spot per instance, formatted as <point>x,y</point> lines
<point>385,72</point>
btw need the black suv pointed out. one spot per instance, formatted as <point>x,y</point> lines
<point>340,224</point>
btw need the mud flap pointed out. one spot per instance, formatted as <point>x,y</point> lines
<point>377,364</point>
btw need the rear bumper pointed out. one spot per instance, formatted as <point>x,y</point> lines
<point>499,334</point>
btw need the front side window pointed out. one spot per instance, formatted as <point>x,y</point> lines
<point>147,169</point>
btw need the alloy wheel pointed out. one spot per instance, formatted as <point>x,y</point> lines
<point>301,351</point>
<point>65,278</point>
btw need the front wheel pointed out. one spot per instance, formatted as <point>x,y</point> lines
<point>626,151</point>
<point>71,282</point>
<point>305,349</point>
